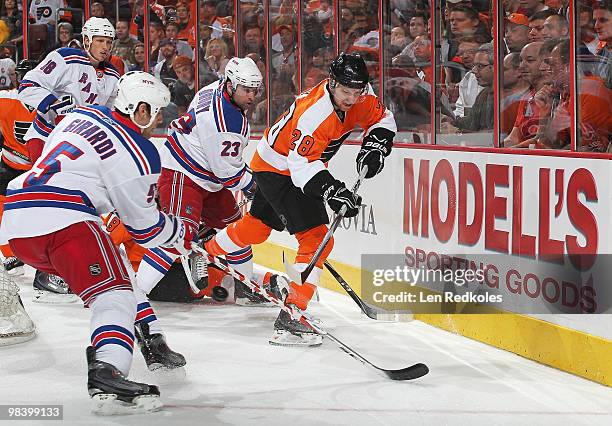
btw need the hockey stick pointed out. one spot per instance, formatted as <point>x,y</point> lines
<point>301,277</point>
<point>408,373</point>
<point>185,262</point>
<point>370,311</point>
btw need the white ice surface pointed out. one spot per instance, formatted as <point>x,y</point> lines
<point>235,377</point>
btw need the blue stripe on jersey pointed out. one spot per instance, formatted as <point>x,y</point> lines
<point>40,128</point>
<point>69,51</point>
<point>48,196</point>
<point>43,106</point>
<point>26,84</point>
<point>145,235</point>
<point>215,114</point>
<point>78,61</point>
<point>232,116</point>
<point>148,149</point>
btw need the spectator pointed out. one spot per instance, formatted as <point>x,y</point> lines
<point>216,56</point>
<point>555,26</point>
<point>514,90</point>
<point>183,90</point>
<point>208,16</point>
<point>12,16</point>
<point>511,6</point>
<point>284,62</point>
<point>398,40</point>
<point>45,13</point>
<point>163,70</point>
<point>587,29</point>
<point>463,22</point>
<point>422,53</point>
<point>156,34</point>
<point>137,57</point>
<point>528,116</point>
<point>97,9</point>
<point>65,33</point>
<point>182,47</point>
<point>516,32</point>
<point>418,26</point>
<point>602,15</point>
<point>184,21</point>
<point>529,7</point>
<point>468,86</point>
<point>536,24</point>
<point>137,22</point>
<point>124,43</point>
<point>594,107</point>
<point>253,41</point>
<point>480,117</point>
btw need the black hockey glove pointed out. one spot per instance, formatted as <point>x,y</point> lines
<point>375,147</point>
<point>324,185</point>
<point>338,196</point>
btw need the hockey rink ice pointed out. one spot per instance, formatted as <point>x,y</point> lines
<point>234,377</point>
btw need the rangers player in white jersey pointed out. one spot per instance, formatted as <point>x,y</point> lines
<point>97,161</point>
<point>68,78</point>
<point>202,163</point>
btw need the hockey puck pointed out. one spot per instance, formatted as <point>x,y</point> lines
<point>219,294</point>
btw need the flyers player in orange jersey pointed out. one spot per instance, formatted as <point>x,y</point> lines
<point>15,120</point>
<point>293,182</point>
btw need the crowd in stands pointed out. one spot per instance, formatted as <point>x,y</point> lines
<point>534,100</point>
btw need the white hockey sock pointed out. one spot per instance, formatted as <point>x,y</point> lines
<point>145,312</point>
<point>112,328</point>
<point>155,264</point>
<point>315,275</point>
<point>242,261</point>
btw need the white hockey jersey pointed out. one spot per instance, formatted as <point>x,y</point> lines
<point>207,142</point>
<point>93,163</point>
<point>65,74</point>
<point>45,11</point>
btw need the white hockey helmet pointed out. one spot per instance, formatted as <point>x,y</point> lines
<point>98,27</point>
<point>135,87</point>
<point>243,71</point>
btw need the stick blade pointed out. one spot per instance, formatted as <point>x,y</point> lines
<point>409,373</point>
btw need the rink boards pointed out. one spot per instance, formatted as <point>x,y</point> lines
<point>513,213</point>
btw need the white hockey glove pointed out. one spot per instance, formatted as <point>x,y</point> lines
<point>63,106</point>
<point>181,238</point>
<point>375,147</point>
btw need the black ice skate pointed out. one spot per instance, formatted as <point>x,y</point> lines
<point>50,288</point>
<point>13,266</point>
<point>155,350</point>
<point>289,332</point>
<point>112,393</point>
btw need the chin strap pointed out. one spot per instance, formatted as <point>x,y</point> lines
<point>140,125</point>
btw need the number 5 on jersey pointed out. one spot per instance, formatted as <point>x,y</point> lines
<point>304,146</point>
<point>51,164</point>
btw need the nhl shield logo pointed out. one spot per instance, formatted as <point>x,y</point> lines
<point>188,209</point>
<point>95,269</point>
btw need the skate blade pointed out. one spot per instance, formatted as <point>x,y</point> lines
<point>9,339</point>
<point>244,301</point>
<point>107,404</point>
<point>48,297</point>
<point>164,375</point>
<point>288,339</point>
